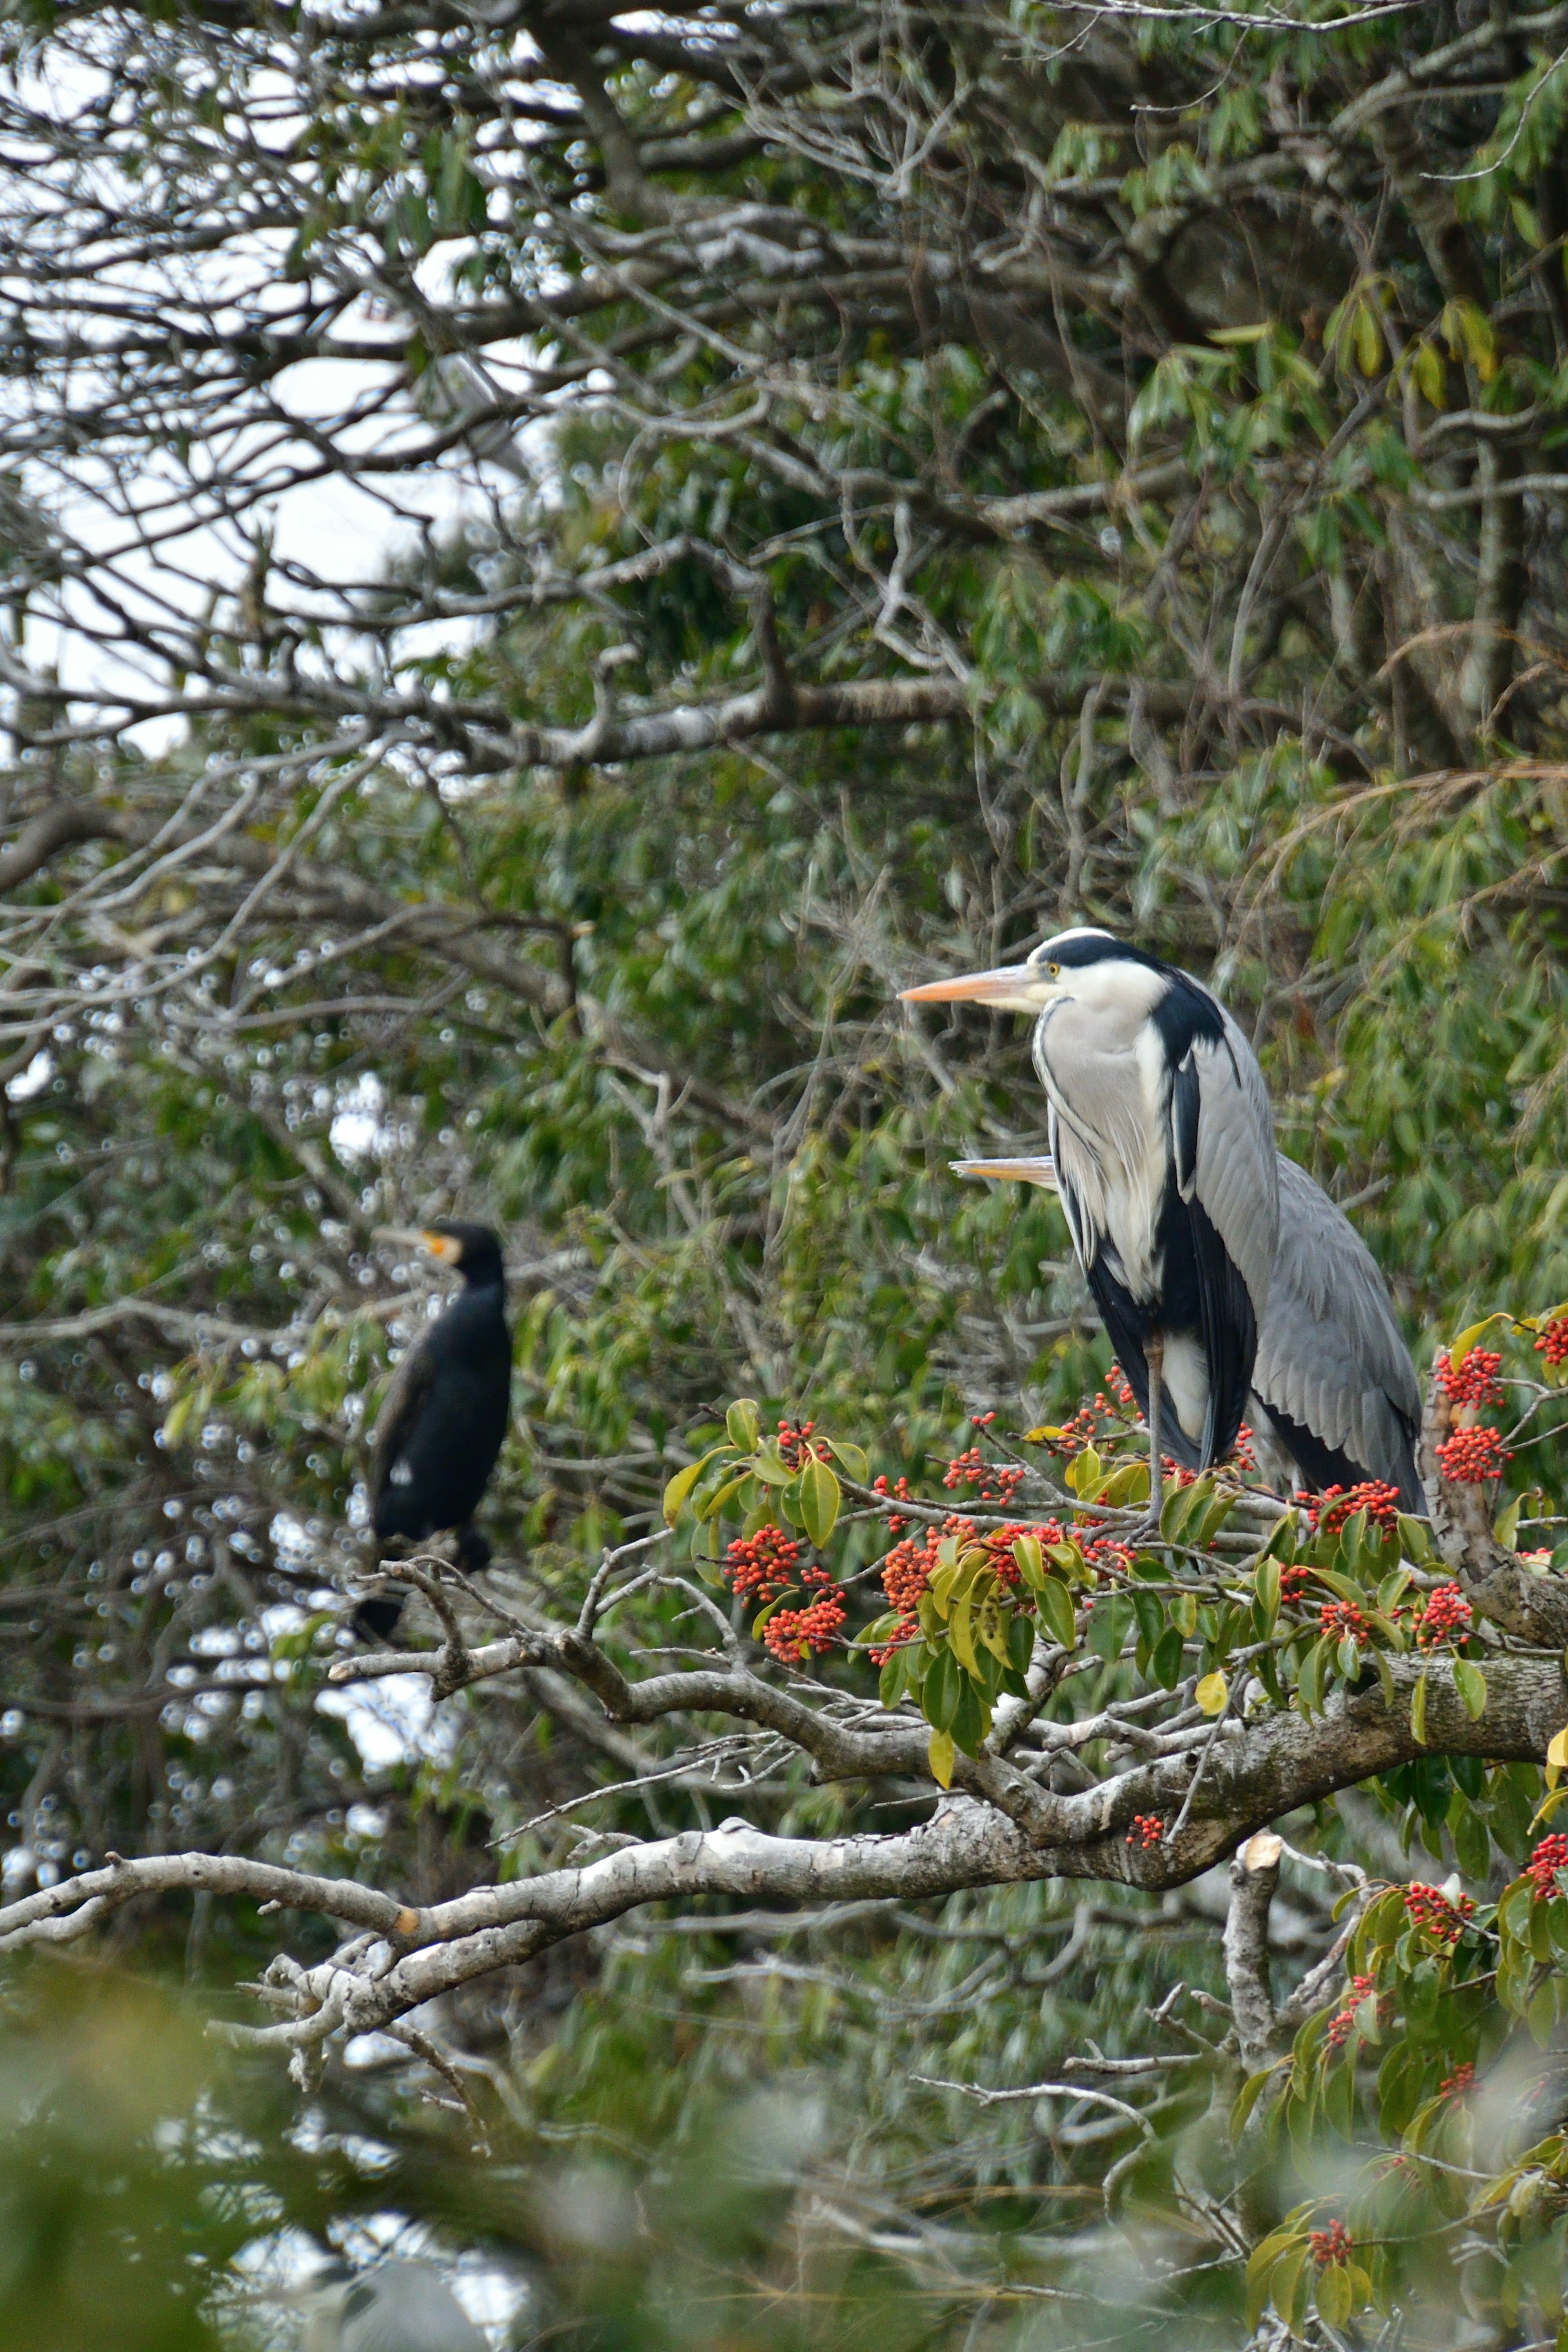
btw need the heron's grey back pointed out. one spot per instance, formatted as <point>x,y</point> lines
<point>405,2308</point>
<point>1236,1180</point>
<point>1330,1354</point>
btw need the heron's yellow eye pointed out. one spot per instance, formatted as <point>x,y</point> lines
<point>1053,972</point>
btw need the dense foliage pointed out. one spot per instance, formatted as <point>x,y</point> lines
<point>551,560</point>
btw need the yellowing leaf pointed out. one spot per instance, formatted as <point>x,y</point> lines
<point>961,1636</point>
<point>940,1754</point>
<point>1367,335</point>
<point>1460,1347</point>
<point>1556,1757</point>
<point>179,1414</point>
<point>1427,369</point>
<point>1038,1436</point>
<point>1213,1693</point>
<point>678,1489</point>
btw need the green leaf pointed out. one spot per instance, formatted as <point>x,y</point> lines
<point>853,1457</point>
<point>1415,1540</point>
<point>1058,1613</point>
<point>1419,1709</point>
<point>712,1507</point>
<point>759,1623</point>
<point>1109,1621</point>
<point>1247,2098</point>
<point>819,1500</point>
<point>972,1720</point>
<point>1471,1685</point>
<point>741,1421</point>
<point>1165,1664</point>
<point>771,1468</point>
<point>940,1691</point>
<point>1333,2295</point>
<point>1031,1563</point>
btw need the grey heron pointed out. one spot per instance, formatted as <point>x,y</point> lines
<point>1163,1147</point>
<point>444,1419</point>
<point>396,2306</point>
<point>1336,1399</point>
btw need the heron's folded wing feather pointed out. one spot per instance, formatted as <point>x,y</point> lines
<point>400,1409</point>
<point>1329,1352</point>
<point>1238,1184</point>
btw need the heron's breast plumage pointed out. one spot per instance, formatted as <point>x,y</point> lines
<point>1109,1092</point>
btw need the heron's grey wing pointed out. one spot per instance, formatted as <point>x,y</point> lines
<point>1330,1354</point>
<point>1234,1162</point>
<point>406,1393</point>
<point>405,2307</point>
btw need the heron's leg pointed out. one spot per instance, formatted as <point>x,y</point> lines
<point>1154,1357</point>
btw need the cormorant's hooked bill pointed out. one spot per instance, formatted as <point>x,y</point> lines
<point>444,1420</point>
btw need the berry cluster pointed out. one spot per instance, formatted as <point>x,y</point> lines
<point>1549,1857</point>
<point>896,1519</point>
<point>998,1544</point>
<point>793,1635</point>
<point>1553,1341</point>
<point>1455,2085</point>
<point>996,1482</point>
<point>1343,1619</point>
<point>1442,1915</point>
<point>793,1444</point>
<point>1328,1512</point>
<point>1472,1456</point>
<point>1340,2024</point>
<point>1446,1617</point>
<point>1121,1388</point>
<point>759,1567</point>
<point>1147,1830</point>
<point>1333,2244</point>
<point>1293,1583</point>
<point>907,1570</point>
<point>1242,1452</point>
<point>1475,1382</point>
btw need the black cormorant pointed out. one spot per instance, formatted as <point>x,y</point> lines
<point>444,1416</point>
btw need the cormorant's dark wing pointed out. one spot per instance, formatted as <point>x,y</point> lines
<point>1333,1366</point>
<point>400,1409</point>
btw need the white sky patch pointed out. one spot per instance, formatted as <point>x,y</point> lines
<point>33,1079</point>
<point>391,1721</point>
<point>358,1129</point>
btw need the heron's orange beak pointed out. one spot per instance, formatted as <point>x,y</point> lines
<point>1012,988</point>
<point>1041,1171</point>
